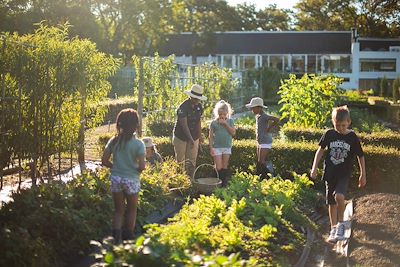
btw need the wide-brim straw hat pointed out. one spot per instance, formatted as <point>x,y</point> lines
<point>148,142</point>
<point>196,91</point>
<point>256,102</point>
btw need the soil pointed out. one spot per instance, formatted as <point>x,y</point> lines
<point>375,240</point>
<point>376,231</point>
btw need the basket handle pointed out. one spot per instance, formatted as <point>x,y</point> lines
<point>213,166</point>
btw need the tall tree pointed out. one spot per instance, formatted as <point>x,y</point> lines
<point>132,26</point>
<point>272,18</point>
<point>375,18</point>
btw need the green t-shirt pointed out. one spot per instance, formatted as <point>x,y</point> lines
<point>125,156</point>
<point>222,138</point>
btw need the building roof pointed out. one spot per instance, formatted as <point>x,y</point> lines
<point>289,42</point>
<point>377,44</point>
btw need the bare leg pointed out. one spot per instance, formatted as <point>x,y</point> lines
<point>333,212</point>
<point>218,162</point>
<point>131,212</point>
<point>263,155</point>
<point>225,161</point>
<point>119,205</point>
<point>340,206</point>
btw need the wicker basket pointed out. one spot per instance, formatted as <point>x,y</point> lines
<point>206,185</point>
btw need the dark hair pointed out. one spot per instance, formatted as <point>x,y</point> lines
<point>126,123</point>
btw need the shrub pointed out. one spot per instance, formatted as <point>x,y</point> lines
<point>389,139</point>
<point>308,101</point>
<point>298,156</point>
<point>51,224</point>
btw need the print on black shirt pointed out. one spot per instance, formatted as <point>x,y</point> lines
<point>341,151</point>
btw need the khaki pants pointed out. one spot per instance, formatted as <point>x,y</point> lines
<point>186,154</point>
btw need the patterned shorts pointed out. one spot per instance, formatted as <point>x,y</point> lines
<point>125,185</point>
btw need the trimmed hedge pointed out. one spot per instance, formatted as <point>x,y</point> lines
<point>388,139</point>
<point>383,173</point>
<point>165,128</point>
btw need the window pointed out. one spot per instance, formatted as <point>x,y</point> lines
<point>276,62</point>
<point>311,64</point>
<point>265,61</point>
<point>336,64</point>
<point>227,61</point>
<point>377,65</point>
<point>394,49</point>
<point>247,62</point>
<point>298,64</point>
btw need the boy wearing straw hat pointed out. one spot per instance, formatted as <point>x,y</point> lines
<point>264,124</point>
<point>187,129</point>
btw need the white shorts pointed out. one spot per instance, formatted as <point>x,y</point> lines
<point>218,151</point>
<point>269,146</point>
<point>125,185</point>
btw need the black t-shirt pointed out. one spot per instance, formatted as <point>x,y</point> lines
<point>193,115</point>
<point>341,150</point>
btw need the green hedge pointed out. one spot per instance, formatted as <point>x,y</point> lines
<point>389,139</point>
<point>165,128</point>
<point>381,162</point>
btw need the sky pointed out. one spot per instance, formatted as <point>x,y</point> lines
<point>264,3</point>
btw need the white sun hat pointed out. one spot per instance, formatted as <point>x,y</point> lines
<point>148,142</point>
<point>196,91</point>
<point>256,102</point>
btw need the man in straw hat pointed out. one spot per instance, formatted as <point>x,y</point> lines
<point>187,129</point>
<point>264,125</point>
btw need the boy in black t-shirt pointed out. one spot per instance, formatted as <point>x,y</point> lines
<point>342,144</point>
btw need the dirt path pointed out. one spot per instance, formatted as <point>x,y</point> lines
<point>375,240</point>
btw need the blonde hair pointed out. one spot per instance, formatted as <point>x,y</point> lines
<point>222,106</point>
<point>341,113</point>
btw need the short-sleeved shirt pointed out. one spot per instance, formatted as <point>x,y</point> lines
<point>125,156</point>
<point>341,150</point>
<point>155,158</point>
<point>193,115</point>
<point>262,136</point>
<point>222,138</point>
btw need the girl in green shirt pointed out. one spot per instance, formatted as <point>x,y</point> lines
<point>128,162</point>
<point>222,130</point>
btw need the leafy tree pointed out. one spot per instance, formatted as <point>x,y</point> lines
<point>325,15</point>
<point>132,26</point>
<point>272,18</point>
<point>343,15</point>
<point>308,101</point>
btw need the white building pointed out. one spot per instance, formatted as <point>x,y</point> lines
<point>360,61</point>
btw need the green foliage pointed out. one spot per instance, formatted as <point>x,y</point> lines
<point>49,80</point>
<point>268,79</point>
<point>45,226</point>
<point>163,81</point>
<point>298,156</point>
<point>241,220</point>
<point>383,87</point>
<point>308,101</point>
<point>50,224</point>
<point>353,97</point>
<point>396,89</point>
<point>388,139</point>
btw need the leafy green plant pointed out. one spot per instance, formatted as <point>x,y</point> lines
<point>249,222</point>
<point>308,101</point>
<point>55,84</point>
